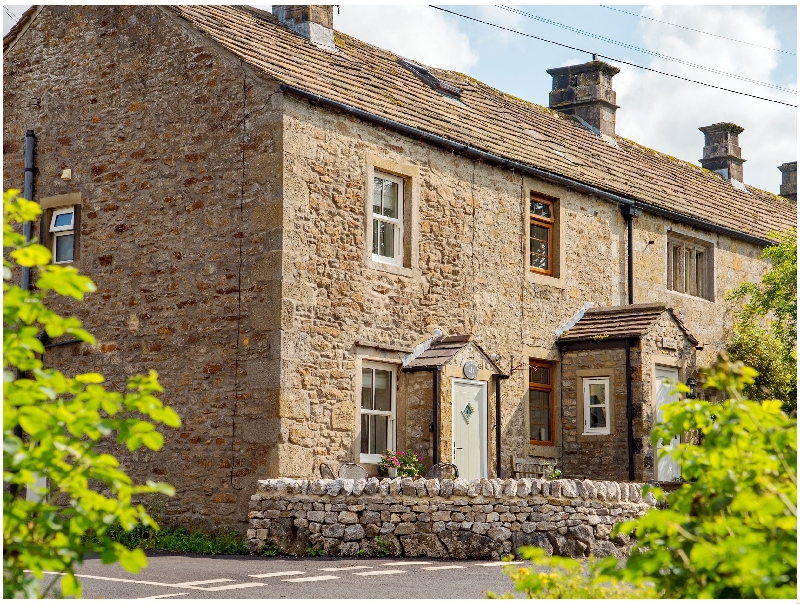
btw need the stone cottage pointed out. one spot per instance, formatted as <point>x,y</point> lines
<point>326,250</point>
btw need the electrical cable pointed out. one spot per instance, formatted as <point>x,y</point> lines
<point>696,30</point>
<point>514,31</point>
<point>643,50</point>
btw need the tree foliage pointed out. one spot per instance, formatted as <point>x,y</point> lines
<point>52,425</point>
<point>730,531</point>
<point>764,335</point>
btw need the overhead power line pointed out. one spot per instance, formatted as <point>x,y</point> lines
<point>644,50</point>
<point>672,75</point>
<point>696,30</point>
<point>10,13</point>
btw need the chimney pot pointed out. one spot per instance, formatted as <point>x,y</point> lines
<point>789,180</point>
<point>721,152</point>
<point>313,22</point>
<point>585,91</point>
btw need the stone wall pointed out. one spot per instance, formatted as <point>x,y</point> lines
<point>449,519</point>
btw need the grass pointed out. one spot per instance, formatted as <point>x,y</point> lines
<point>218,541</point>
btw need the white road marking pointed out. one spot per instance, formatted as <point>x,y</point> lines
<point>185,593</point>
<point>498,563</point>
<point>195,583</point>
<point>317,578</point>
<point>112,579</point>
<point>441,567</point>
<point>224,587</point>
<point>335,569</point>
<point>284,573</point>
<point>404,563</point>
<point>380,572</point>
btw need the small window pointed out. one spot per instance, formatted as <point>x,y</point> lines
<point>540,402</point>
<point>62,227</point>
<point>387,219</point>
<point>596,418</point>
<point>542,224</point>
<point>377,410</point>
<point>689,267</point>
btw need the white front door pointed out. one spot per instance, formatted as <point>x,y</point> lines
<point>667,469</point>
<point>469,428</point>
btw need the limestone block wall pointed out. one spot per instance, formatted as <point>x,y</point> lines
<point>481,518</point>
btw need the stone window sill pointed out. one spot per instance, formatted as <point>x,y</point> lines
<point>403,271</point>
<point>541,279</point>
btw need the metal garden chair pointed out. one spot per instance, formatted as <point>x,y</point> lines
<point>352,470</point>
<point>326,472</point>
<point>442,471</point>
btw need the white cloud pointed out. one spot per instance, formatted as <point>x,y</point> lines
<point>665,113</point>
<point>416,32</point>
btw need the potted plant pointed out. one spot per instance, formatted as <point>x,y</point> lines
<point>400,463</point>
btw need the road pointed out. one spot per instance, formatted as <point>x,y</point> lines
<point>180,576</point>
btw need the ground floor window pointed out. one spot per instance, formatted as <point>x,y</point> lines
<point>378,410</point>
<point>595,406</point>
<point>540,402</point>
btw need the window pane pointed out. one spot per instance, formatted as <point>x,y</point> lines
<point>540,375</point>
<point>377,189</point>
<point>540,209</point>
<point>385,239</point>
<point>597,417</point>
<point>539,415</point>
<point>380,431</point>
<point>597,394</point>
<point>64,219</point>
<point>541,233</point>
<point>366,389</point>
<point>390,199</point>
<point>383,390</point>
<point>375,236</point>
<point>365,434</point>
<point>65,248</point>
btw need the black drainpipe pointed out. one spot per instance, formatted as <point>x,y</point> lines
<point>27,232</point>
<point>497,431</point>
<point>629,212</point>
<point>436,415</point>
<point>27,193</point>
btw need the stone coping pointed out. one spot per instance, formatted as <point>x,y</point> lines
<point>480,488</point>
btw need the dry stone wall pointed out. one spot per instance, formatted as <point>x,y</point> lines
<point>480,518</point>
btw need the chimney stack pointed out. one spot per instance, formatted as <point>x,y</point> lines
<point>314,23</point>
<point>789,180</point>
<point>585,92</point>
<point>722,153</point>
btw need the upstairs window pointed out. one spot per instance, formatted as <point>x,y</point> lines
<point>387,219</point>
<point>690,267</point>
<point>540,402</point>
<point>542,224</point>
<point>62,230</point>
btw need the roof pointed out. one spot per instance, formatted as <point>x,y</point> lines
<point>442,351</point>
<point>371,79</point>
<point>620,322</point>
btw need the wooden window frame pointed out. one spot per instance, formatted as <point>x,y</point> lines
<point>696,281</point>
<point>542,388</point>
<point>399,241</point>
<point>391,434</point>
<point>550,225</point>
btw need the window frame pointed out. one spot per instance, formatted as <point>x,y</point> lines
<point>700,259</point>
<point>62,231</point>
<point>550,225</point>
<point>399,246</point>
<point>538,387</point>
<point>391,431</point>
<point>587,382</point>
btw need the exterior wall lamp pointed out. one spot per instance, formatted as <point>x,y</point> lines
<point>692,383</point>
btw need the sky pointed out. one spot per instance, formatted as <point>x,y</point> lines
<point>657,111</point>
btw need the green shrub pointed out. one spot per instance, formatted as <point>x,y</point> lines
<point>179,540</point>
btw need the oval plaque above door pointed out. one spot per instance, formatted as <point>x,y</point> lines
<point>470,370</point>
